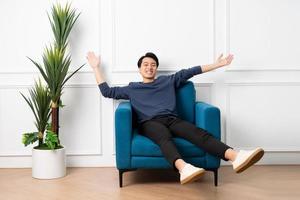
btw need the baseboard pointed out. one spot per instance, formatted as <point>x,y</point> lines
<point>270,158</point>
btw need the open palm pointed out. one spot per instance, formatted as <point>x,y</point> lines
<point>224,61</point>
<point>93,60</point>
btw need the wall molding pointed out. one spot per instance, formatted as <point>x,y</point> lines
<point>128,69</point>
<point>99,151</point>
<point>227,127</point>
<point>19,86</point>
<point>262,83</point>
<point>22,71</point>
<point>206,85</point>
<point>241,68</point>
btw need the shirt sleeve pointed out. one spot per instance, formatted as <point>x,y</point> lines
<point>185,74</point>
<point>114,92</point>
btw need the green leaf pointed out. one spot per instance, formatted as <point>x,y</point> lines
<point>29,138</point>
<point>40,69</point>
<point>62,21</point>
<point>39,103</point>
<point>51,139</point>
<point>60,104</point>
<point>72,74</point>
<point>48,127</point>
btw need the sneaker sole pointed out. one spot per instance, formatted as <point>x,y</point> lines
<point>193,177</point>
<point>256,156</point>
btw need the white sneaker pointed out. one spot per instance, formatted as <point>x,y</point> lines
<point>190,173</point>
<point>246,159</point>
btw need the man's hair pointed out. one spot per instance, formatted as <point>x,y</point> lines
<point>150,55</point>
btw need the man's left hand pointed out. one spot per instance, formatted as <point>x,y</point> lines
<point>220,62</point>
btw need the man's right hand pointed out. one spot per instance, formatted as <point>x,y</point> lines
<point>94,61</point>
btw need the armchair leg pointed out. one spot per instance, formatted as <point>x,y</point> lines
<point>216,177</point>
<point>215,171</point>
<point>121,171</point>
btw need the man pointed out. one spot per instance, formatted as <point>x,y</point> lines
<point>154,102</point>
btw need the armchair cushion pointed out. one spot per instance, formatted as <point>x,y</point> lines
<point>143,146</point>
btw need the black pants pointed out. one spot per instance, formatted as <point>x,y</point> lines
<point>161,130</point>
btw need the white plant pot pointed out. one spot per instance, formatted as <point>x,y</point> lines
<point>48,164</point>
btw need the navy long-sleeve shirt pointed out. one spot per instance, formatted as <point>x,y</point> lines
<point>152,99</point>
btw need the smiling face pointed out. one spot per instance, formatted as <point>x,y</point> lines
<point>148,69</point>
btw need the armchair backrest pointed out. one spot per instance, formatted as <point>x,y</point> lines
<point>185,100</point>
<point>185,103</point>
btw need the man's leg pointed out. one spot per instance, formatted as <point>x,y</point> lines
<point>199,137</point>
<point>241,160</point>
<point>161,135</point>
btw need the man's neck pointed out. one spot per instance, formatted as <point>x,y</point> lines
<point>146,80</point>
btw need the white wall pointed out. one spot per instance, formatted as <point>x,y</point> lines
<point>258,94</point>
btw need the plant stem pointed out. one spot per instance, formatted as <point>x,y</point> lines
<point>40,136</point>
<point>54,117</point>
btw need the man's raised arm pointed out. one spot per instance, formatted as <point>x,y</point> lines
<point>94,62</point>
<point>110,92</point>
<point>185,74</point>
<point>220,62</point>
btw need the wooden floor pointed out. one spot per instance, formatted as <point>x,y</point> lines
<point>258,182</point>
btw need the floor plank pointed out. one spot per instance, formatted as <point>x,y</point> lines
<point>259,182</point>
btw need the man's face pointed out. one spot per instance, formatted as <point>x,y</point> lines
<point>148,68</point>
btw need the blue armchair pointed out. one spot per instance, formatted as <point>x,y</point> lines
<point>134,151</point>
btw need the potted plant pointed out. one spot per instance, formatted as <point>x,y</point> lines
<point>49,155</point>
<point>42,167</point>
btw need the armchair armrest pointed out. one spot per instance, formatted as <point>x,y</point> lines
<point>208,118</point>
<point>123,134</point>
